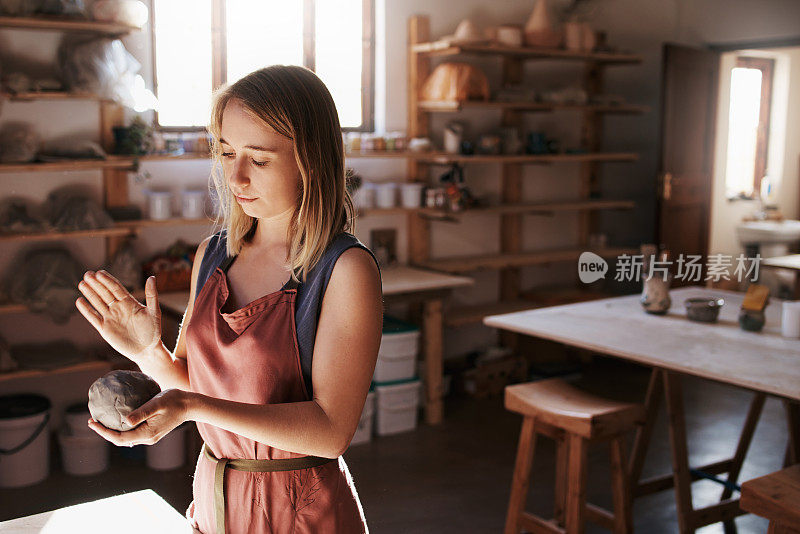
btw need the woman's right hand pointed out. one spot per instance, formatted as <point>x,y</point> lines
<point>131,328</point>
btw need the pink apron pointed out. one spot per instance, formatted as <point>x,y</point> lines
<point>251,355</point>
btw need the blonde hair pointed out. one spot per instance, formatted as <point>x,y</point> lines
<point>295,103</point>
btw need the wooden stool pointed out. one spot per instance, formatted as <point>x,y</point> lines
<point>777,497</point>
<point>573,418</point>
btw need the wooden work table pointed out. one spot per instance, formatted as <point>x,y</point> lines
<point>130,513</point>
<point>764,362</point>
<point>400,283</point>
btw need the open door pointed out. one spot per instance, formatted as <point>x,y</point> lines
<point>688,122</point>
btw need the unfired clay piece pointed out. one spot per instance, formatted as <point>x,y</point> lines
<point>117,394</point>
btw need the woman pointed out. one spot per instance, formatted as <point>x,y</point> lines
<point>274,374</point>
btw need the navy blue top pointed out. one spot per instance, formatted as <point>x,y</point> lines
<point>308,302</point>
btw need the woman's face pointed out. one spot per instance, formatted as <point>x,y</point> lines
<point>258,163</point>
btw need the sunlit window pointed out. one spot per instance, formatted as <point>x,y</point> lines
<point>202,44</point>
<point>742,130</point>
<point>748,123</point>
<point>183,66</point>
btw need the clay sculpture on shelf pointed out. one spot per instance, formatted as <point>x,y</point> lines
<point>455,82</point>
<point>117,394</point>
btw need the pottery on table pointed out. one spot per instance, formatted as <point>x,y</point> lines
<point>655,297</point>
<point>703,309</point>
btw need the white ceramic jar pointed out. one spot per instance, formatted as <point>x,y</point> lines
<point>193,203</point>
<point>386,195</point>
<point>411,194</point>
<point>160,204</point>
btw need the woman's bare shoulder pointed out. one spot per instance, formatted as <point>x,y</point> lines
<point>355,267</point>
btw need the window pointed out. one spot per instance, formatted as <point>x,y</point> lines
<point>748,126</point>
<point>199,45</point>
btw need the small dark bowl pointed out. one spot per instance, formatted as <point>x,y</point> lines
<point>703,310</point>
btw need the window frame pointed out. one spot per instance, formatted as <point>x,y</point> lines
<point>767,67</point>
<point>219,59</point>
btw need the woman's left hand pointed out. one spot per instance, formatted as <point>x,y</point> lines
<point>155,419</point>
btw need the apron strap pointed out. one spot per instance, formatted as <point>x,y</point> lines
<point>259,466</point>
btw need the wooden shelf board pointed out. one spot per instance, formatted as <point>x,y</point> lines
<point>67,25</point>
<point>172,157</point>
<point>532,208</point>
<point>451,106</point>
<point>442,158</point>
<point>176,221</point>
<point>444,48</point>
<point>465,315</point>
<point>70,165</point>
<point>94,365</point>
<point>29,96</point>
<point>49,236</point>
<point>463,264</point>
<point>399,210</point>
<point>11,308</point>
<point>381,154</point>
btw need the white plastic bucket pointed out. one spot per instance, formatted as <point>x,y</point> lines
<point>83,455</point>
<point>386,195</point>
<point>364,431</point>
<point>160,204</point>
<point>24,440</point>
<point>193,204</point>
<point>170,452</point>
<point>75,418</point>
<point>411,194</point>
<point>397,407</point>
<point>397,354</point>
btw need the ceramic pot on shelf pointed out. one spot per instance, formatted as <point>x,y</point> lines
<point>539,30</point>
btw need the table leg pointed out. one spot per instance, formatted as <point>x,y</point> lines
<point>432,354</point>
<point>750,422</point>
<point>796,291</point>
<point>793,423</point>
<point>680,454</point>
<point>643,434</point>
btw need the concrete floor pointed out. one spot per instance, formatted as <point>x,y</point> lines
<point>456,477</point>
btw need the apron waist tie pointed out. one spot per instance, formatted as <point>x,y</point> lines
<point>259,466</point>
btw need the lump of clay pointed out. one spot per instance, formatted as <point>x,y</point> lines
<point>117,394</point>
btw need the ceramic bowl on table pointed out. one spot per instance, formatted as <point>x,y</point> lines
<point>702,309</point>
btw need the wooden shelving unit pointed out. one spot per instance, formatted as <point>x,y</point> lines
<point>114,169</point>
<point>587,201</point>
